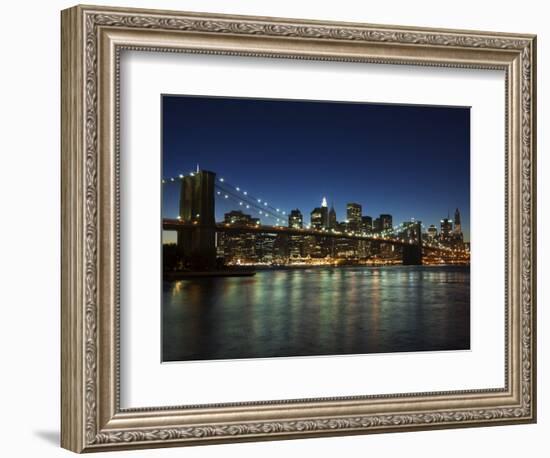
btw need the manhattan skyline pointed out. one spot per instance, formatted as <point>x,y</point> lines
<point>408,161</point>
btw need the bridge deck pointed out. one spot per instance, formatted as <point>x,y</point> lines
<point>175,225</point>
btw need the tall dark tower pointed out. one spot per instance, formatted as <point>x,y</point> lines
<point>458,227</point>
<point>458,237</point>
<point>332,222</point>
<point>412,254</point>
<point>197,207</point>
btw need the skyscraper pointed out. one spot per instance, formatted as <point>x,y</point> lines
<point>386,222</point>
<point>319,216</point>
<point>316,218</point>
<point>354,213</point>
<point>432,232</point>
<point>376,225</point>
<point>458,226</point>
<point>446,230</point>
<point>295,219</point>
<point>458,237</point>
<point>324,210</point>
<point>295,241</point>
<point>332,222</point>
<point>366,224</point>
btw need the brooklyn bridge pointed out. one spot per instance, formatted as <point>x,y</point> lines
<point>197,229</point>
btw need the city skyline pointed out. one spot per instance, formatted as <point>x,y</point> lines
<point>439,182</point>
<point>263,266</point>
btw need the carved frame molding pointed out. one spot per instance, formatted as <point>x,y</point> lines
<point>92,39</point>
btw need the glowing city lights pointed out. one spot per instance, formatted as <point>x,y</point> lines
<point>440,245</point>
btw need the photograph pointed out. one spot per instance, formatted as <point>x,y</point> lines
<point>313,228</point>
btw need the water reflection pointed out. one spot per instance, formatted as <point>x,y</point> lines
<point>320,311</point>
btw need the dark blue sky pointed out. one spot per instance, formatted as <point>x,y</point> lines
<point>409,161</point>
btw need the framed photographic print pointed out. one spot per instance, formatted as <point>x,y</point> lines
<point>278,228</point>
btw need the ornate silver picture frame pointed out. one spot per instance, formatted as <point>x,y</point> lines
<point>93,39</point>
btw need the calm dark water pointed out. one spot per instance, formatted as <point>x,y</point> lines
<point>317,311</point>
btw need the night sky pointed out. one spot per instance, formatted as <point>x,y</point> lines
<point>408,161</point>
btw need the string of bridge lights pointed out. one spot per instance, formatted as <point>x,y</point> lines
<point>248,204</point>
<point>262,206</point>
<point>244,198</point>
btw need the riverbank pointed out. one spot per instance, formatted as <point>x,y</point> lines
<point>180,275</point>
<point>343,266</point>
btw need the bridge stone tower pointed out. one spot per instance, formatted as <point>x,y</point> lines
<point>197,245</point>
<point>412,254</point>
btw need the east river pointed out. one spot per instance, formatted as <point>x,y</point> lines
<point>317,311</point>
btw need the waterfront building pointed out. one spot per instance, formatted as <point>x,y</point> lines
<point>280,249</point>
<point>265,248</point>
<point>239,248</point>
<point>297,247</point>
<point>220,243</point>
<point>296,242</point>
<point>318,246</point>
<point>346,248</point>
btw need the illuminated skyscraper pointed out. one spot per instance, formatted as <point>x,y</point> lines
<point>319,216</point>
<point>295,241</point>
<point>432,232</point>
<point>295,219</point>
<point>386,222</point>
<point>446,230</point>
<point>366,224</point>
<point>324,210</point>
<point>354,213</point>
<point>316,218</point>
